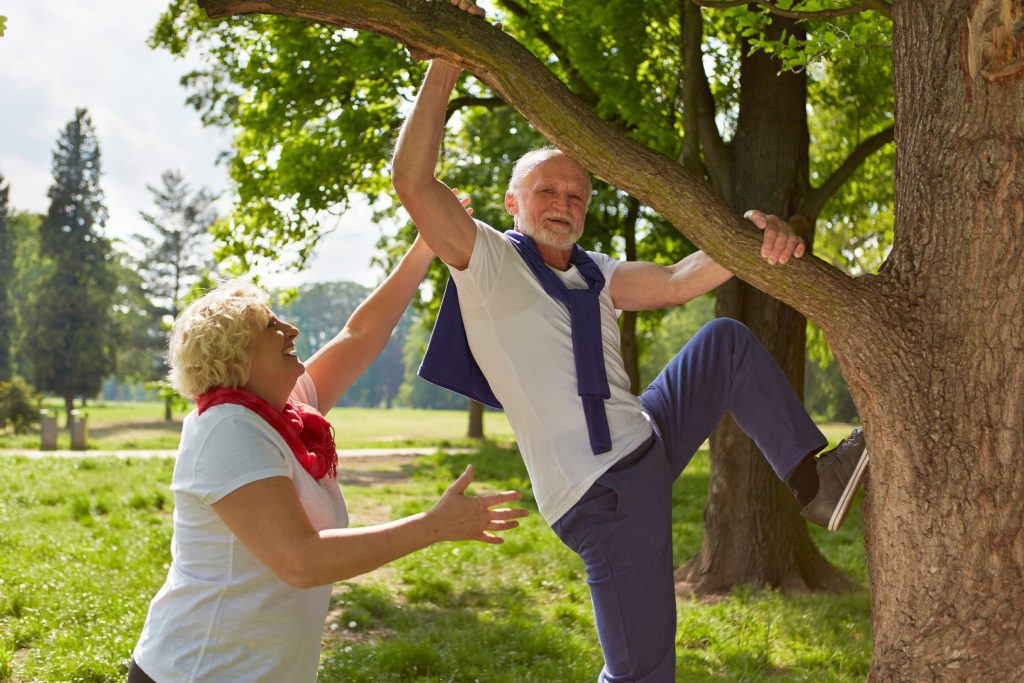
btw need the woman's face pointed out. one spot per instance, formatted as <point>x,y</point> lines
<point>275,367</point>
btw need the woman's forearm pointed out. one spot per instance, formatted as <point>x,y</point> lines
<point>268,518</point>
<point>340,554</point>
<point>337,554</point>
<point>336,366</point>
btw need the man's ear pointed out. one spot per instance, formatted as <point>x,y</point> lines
<point>510,204</point>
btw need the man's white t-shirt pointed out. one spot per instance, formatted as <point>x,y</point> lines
<point>522,340</point>
<point>222,615</point>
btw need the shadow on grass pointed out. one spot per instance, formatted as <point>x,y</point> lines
<point>112,429</point>
<point>351,476</point>
<point>451,635</point>
<point>494,466</point>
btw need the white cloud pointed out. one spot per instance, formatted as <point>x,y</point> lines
<point>61,54</point>
<point>344,254</point>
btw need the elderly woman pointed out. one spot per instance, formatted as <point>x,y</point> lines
<point>259,521</point>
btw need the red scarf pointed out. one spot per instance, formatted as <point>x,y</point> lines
<point>303,428</point>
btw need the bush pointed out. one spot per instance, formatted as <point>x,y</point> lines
<point>19,405</point>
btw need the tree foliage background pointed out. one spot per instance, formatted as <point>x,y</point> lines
<point>316,110</point>
<point>68,326</point>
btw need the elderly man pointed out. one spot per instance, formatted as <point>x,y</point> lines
<point>529,324</point>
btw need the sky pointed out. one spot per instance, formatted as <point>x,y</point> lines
<point>58,55</point>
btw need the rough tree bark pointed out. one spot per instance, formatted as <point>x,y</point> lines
<point>753,532</point>
<point>931,346</point>
<point>939,372</point>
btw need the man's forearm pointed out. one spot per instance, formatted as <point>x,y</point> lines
<point>695,276</point>
<point>437,213</point>
<point>419,141</point>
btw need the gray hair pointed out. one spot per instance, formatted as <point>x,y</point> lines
<point>531,160</point>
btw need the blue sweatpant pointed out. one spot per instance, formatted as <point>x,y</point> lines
<point>622,526</point>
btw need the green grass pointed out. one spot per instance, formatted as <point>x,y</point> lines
<point>83,543</point>
<point>118,426</point>
<point>84,546</point>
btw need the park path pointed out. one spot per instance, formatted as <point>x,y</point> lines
<point>343,453</point>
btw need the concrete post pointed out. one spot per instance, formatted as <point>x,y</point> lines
<point>79,430</point>
<point>47,431</point>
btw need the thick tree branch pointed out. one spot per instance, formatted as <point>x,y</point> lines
<point>816,289</point>
<point>816,198</point>
<point>881,6</point>
<point>458,103</point>
<point>699,127</point>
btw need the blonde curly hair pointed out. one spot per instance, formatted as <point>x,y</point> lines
<point>211,340</point>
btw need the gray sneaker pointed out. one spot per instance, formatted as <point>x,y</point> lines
<point>840,472</point>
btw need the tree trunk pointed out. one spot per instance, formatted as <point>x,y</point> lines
<point>476,420</point>
<point>753,532</point>
<point>938,376</point>
<point>69,405</point>
<point>168,409</point>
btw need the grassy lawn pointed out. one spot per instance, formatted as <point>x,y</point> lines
<point>84,546</point>
<point>115,425</point>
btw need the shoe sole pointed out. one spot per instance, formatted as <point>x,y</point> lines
<point>846,500</point>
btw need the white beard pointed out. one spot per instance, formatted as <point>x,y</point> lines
<point>556,239</point>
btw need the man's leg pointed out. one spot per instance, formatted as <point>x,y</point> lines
<point>723,368</point>
<point>622,530</point>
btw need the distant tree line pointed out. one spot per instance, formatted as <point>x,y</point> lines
<point>80,312</point>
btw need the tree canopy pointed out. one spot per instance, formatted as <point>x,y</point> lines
<point>302,83</point>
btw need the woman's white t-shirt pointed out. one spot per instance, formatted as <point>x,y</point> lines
<point>222,615</point>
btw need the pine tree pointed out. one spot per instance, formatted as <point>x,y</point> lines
<point>70,325</point>
<point>6,283</point>
<point>180,253</point>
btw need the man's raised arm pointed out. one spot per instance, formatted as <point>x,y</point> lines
<point>437,213</point>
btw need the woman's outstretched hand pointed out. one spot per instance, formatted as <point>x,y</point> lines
<point>458,517</point>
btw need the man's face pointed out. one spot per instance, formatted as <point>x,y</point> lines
<point>550,205</point>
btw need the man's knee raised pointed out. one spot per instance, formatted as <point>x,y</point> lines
<point>726,327</point>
